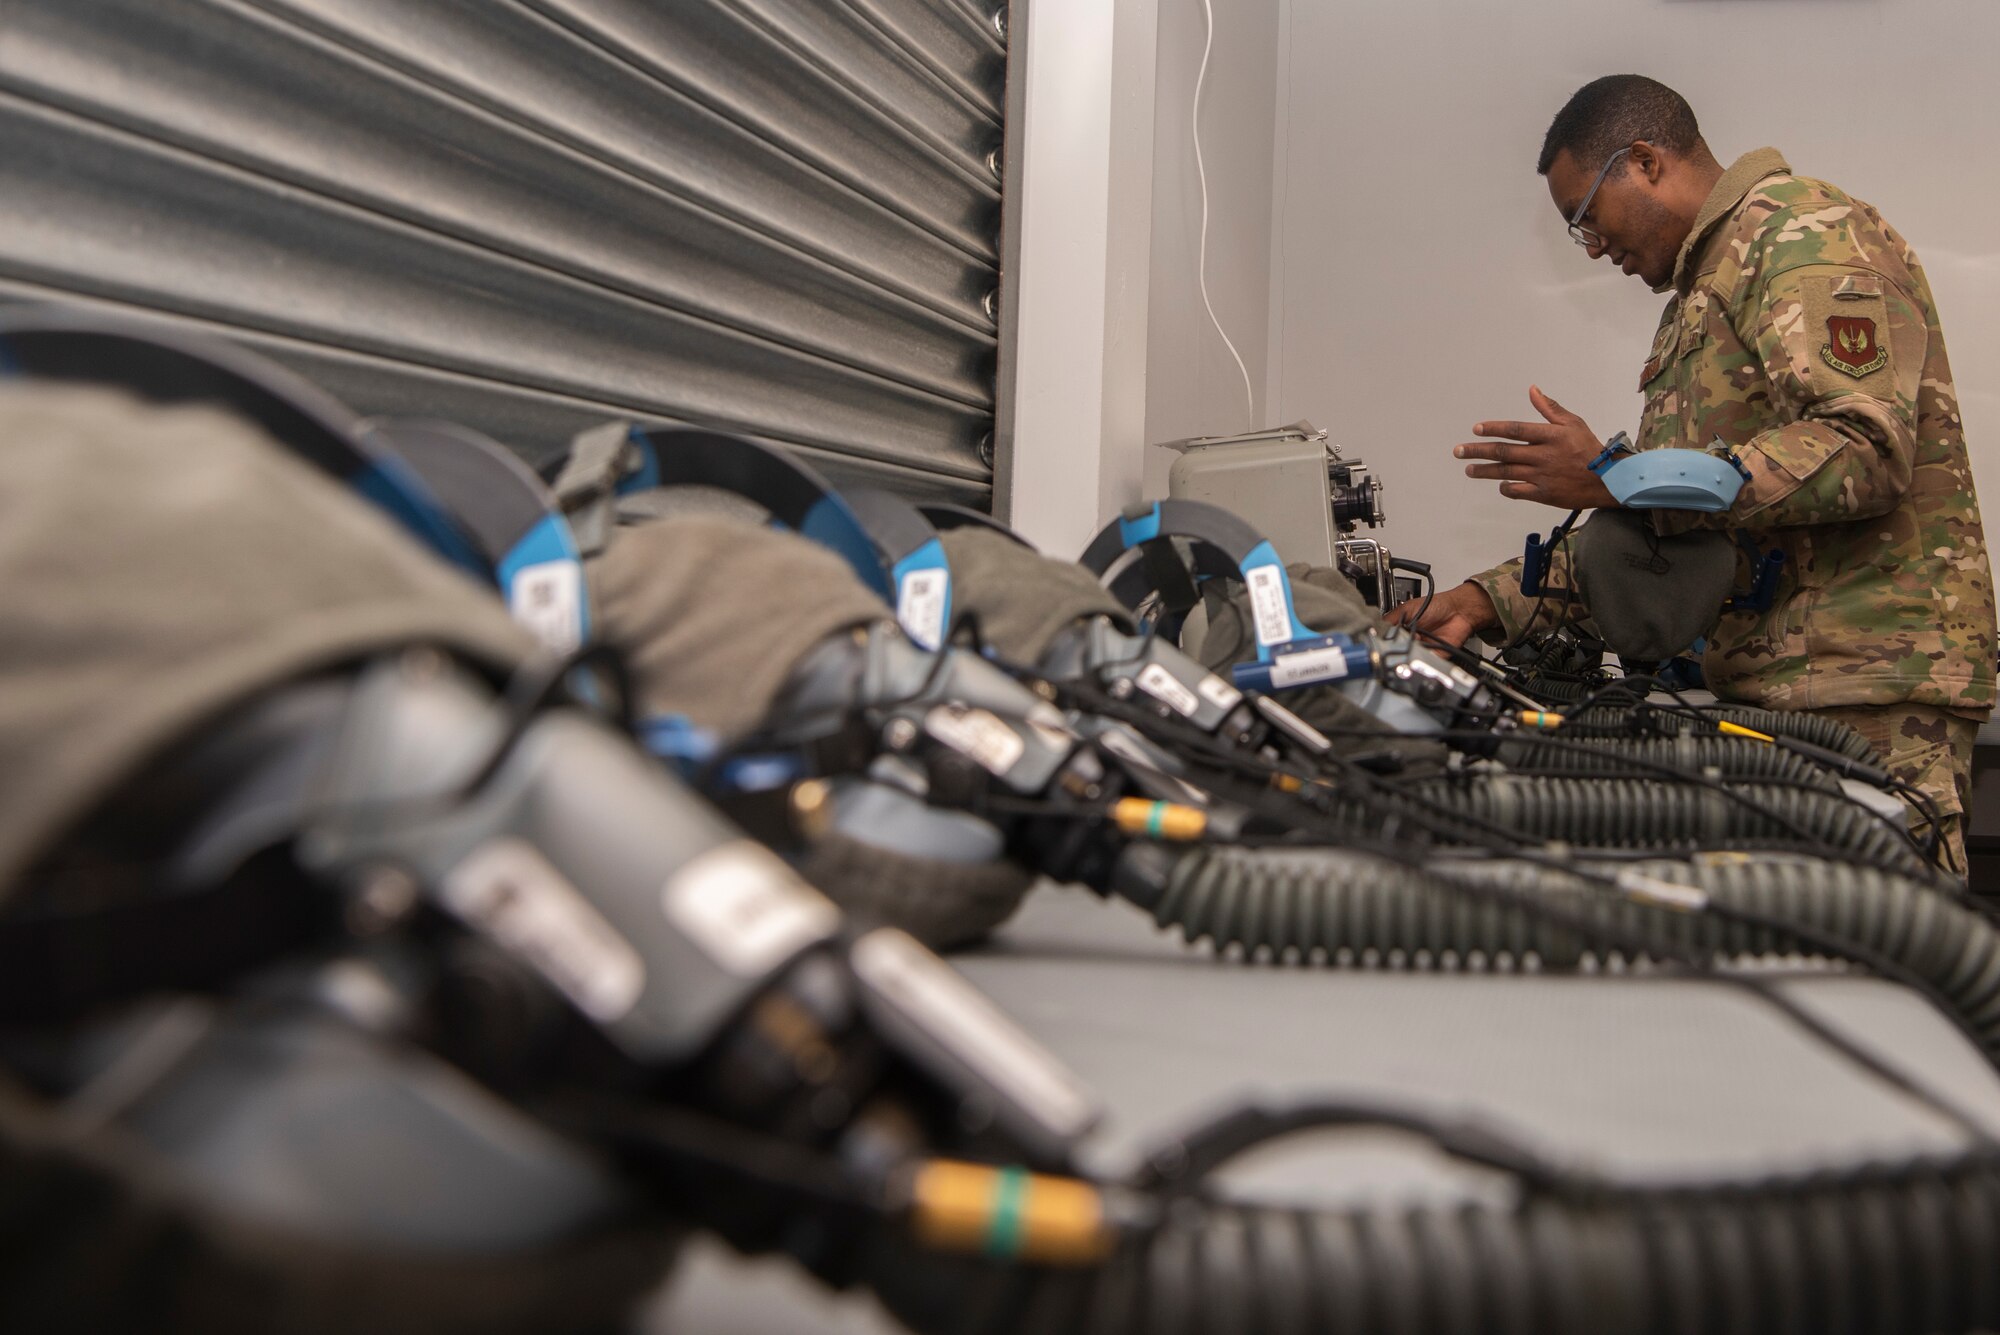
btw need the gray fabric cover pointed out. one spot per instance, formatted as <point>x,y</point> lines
<point>1325,600</point>
<point>1651,597</point>
<point>1328,602</point>
<point>1020,599</point>
<point>713,614</point>
<point>943,904</point>
<point>97,1234</point>
<point>161,563</point>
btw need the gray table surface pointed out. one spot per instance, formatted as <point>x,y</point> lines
<point>1641,1077</point>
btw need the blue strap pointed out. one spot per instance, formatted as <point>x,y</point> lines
<point>389,484</point>
<point>646,475</point>
<point>1264,574</point>
<point>1145,528</point>
<point>795,496</point>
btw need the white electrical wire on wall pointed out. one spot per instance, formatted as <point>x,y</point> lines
<point>1201,174</point>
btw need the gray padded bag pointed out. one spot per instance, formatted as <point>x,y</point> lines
<point>1650,596</point>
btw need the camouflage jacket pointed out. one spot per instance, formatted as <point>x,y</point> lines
<point>1803,334</point>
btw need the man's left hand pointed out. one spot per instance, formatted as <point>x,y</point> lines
<point>1546,461</point>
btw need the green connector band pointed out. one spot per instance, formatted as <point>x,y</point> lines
<point>1003,1234</point>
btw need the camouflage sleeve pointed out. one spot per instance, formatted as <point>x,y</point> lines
<point>1518,611</point>
<point>1830,320</point>
<point>1843,349</point>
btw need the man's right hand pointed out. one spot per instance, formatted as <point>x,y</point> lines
<point>1452,617</point>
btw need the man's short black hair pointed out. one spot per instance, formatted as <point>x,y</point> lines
<point>1606,114</point>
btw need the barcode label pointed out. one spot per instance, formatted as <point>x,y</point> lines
<point>548,599</point>
<point>1267,604</point>
<point>920,606</point>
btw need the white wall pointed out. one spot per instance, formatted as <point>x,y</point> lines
<point>1078,304</point>
<point>1113,348</point>
<point>1193,387</point>
<point>1421,279</point>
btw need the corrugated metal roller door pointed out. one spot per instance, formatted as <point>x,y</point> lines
<point>774,216</point>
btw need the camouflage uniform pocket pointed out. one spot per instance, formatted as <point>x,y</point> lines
<point>1928,748</point>
<point>1788,625</point>
<point>1658,421</point>
<point>1691,353</point>
<point>1665,345</point>
<point>1693,322</point>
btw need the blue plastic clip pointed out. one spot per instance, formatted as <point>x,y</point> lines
<point>760,773</point>
<point>1535,563</point>
<point>1721,448</point>
<point>1766,567</point>
<point>679,741</point>
<point>1617,445</point>
<point>1535,560</point>
<point>1305,662</point>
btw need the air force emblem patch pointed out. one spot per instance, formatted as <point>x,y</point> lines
<point>1851,345</point>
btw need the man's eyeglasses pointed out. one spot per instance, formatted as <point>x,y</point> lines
<point>1578,233</point>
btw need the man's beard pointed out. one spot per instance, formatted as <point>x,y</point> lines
<point>1655,226</point>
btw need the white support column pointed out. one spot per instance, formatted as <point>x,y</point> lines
<point>1070,451</point>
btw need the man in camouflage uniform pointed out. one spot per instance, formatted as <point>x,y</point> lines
<point>1802,333</point>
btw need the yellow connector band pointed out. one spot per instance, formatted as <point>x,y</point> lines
<point>1287,783</point>
<point>1738,730</point>
<point>1540,718</point>
<point>1159,820</point>
<point>1009,1213</point>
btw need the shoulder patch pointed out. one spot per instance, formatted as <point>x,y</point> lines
<point>1852,346</point>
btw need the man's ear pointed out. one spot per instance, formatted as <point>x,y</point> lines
<point>1646,161</point>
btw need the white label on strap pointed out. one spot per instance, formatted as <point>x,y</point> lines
<point>1159,683</point>
<point>978,734</point>
<point>1267,604</point>
<point>920,606</point>
<point>745,909</point>
<point>925,991</point>
<point>547,598</point>
<point>1308,665</point>
<point>1219,692</point>
<point>508,889</point>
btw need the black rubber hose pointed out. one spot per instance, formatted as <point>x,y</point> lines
<point>1315,904</point>
<point>1620,720</point>
<point>1735,758</point>
<point>1877,1250</point>
<point>1882,1252</point>
<point>1640,814</point>
<point>1558,690</point>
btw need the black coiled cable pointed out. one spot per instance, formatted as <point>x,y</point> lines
<point>1734,758</point>
<point>1558,690</point>
<point>1619,720</point>
<point>1880,1251</point>
<point>1321,904</point>
<point>1641,813</point>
